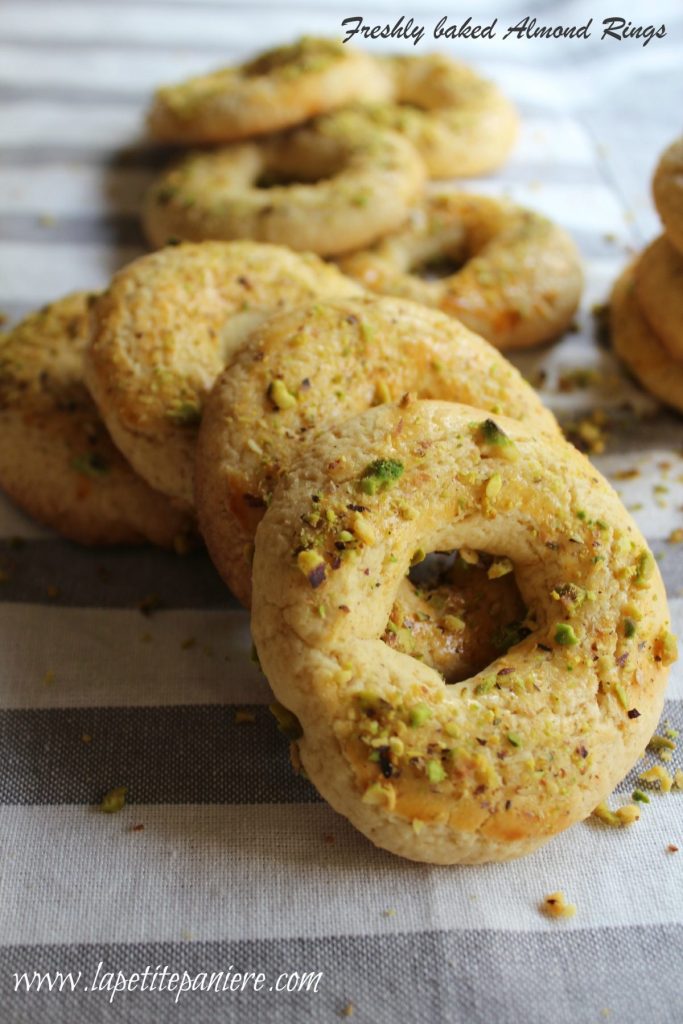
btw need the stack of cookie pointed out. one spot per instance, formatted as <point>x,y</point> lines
<point>346,180</point>
<point>330,439</point>
<point>646,309</point>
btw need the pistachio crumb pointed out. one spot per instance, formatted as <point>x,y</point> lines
<point>380,475</point>
<point>280,395</point>
<point>565,635</point>
<point>114,800</point>
<point>658,774</point>
<point>555,905</point>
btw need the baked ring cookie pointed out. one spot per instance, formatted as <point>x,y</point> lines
<point>164,330</point>
<point>349,183</point>
<point>512,275</point>
<point>57,461</point>
<point>667,188</point>
<point>659,289</point>
<point>461,124</point>
<point>280,88</point>
<point>639,347</point>
<point>496,765</point>
<point>314,366</point>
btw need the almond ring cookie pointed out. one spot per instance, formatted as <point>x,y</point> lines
<point>515,276</point>
<point>314,366</point>
<point>667,188</point>
<point>280,88</point>
<point>659,290</point>
<point>639,347</point>
<point>164,330</point>
<point>350,183</point>
<point>57,461</point>
<point>491,767</point>
<point>460,123</point>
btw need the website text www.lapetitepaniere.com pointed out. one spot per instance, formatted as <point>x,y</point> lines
<point>612,29</point>
<point>164,979</point>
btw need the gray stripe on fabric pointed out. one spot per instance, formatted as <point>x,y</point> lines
<point>430,977</point>
<point>135,156</point>
<point>109,577</point>
<point>123,577</point>
<point>195,754</point>
<point>164,755</point>
<point>114,229</point>
<point>125,230</point>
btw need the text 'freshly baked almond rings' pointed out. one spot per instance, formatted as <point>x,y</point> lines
<point>277,89</point>
<point>518,278</point>
<point>164,330</point>
<point>496,765</point>
<point>57,461</point>
<point>314,366</point>
<point>351,183</point>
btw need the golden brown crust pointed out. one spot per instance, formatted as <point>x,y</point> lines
<point>57,461</point>
<point>460,123</point>
<point>164,330</point>
<point>315,366</point>
<point>639,347</point>
<point>667,188</point>
<point>496,765</point>
<point>518,278</point>
<point>275,90</point>
<point>348,184</point>
<point>659,290</point>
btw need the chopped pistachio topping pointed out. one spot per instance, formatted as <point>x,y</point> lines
<point>380,475</point>
<point>420,714</point>
<point>640,797</point>
<point>380,795</point>
<point>114,800</point>
<point>185,414</point>
<point>565,635</point>
<point>280,395</point>
<point>287,722</point>
<point>363,529</point>
<point>487,684</point>
<point>645,566</point>
<point>435,772</point>
<point>489,435</point>
<point>494,486</point>
<point>630,628</point>
<point>666,648</point>
<point>92,465</point>
<point>658,742</point>
<point>658,774</point>
<point>312,565</point>
<point>514,739</point>
<point>499,567</point>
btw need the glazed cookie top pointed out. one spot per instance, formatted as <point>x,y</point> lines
<point>166,327</point>
<point>315,366</point>
<point>493,766</point>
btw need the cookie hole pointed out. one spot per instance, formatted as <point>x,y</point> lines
<point>281,179</point>
<point>457,612</point>
<point>437,267</point>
